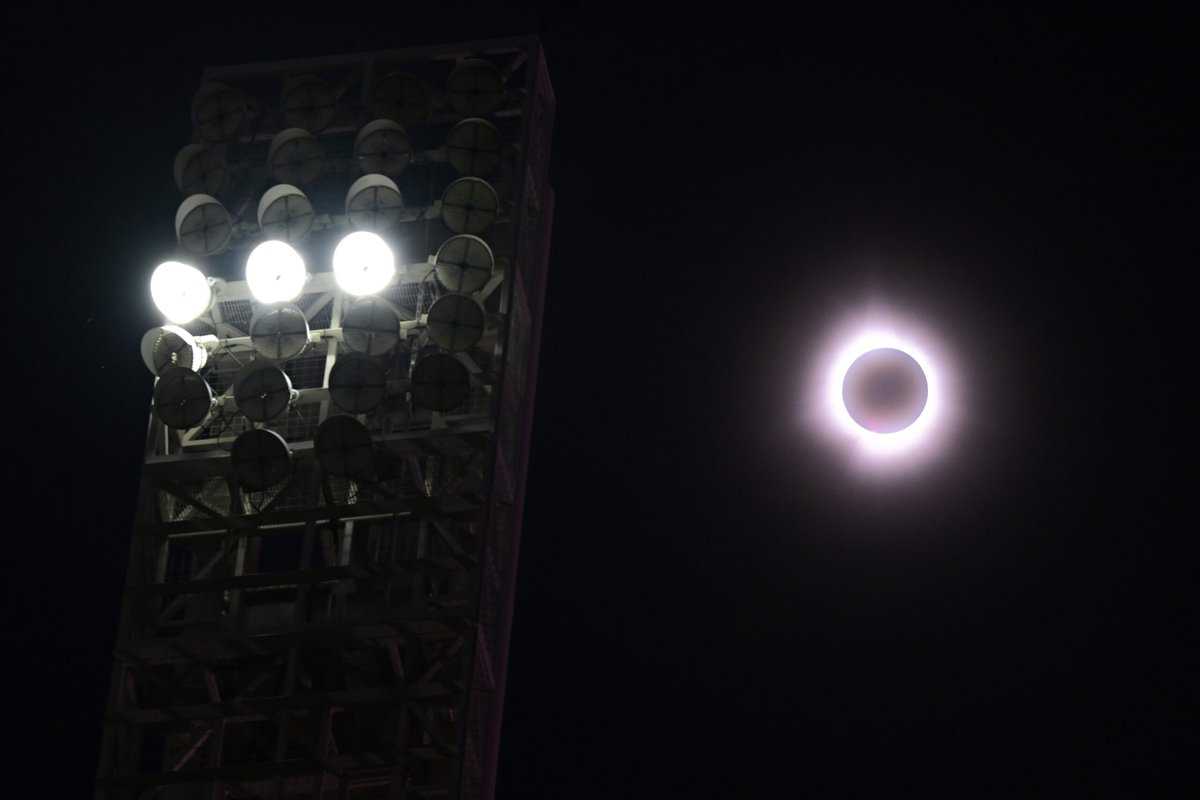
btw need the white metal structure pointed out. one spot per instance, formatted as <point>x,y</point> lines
<point>320,583</point>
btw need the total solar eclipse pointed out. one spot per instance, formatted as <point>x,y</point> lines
<point>885,390</point>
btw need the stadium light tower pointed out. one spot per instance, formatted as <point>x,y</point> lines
<point>321,575</point>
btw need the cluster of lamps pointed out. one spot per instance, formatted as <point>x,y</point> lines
<point>363,264</point>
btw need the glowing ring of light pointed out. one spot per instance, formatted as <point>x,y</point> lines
<point>871,441</point>
<point>885,390</point>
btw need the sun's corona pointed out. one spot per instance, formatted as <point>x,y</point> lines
<point>883,388</point>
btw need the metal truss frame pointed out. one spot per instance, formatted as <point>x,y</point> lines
<point>332,638</point>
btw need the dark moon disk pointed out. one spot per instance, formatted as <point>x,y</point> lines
<point>885,390</point>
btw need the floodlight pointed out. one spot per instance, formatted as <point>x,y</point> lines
<point>180,291</point>
<point>261,459</point>
<point>357,384</point>
<point>172,346</point>
<point>263,391</point>
<point>275,272</point>
<point>182,399</point>
<point>344,449</point>
<point>363,263</point>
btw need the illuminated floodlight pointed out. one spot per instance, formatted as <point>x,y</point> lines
<point>275,272</point>
<point>180,291</point>
<point>363,263</point>
<point>883,388</point>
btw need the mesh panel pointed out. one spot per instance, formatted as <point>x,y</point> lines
<point>296,493</point>
<point>340,491</point>
<point>323,318</point>
<point>228,425</point>
<point>299,424</point>
<point>223,366</point>
<point>398,487</point>
<point>253,502</point>
<point>236,312</point>
<point>478,403</point>
<point>212,492</point>
<point>408,297</point>
<point>307,371</point>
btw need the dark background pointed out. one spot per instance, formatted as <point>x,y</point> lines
<point>707,605</point>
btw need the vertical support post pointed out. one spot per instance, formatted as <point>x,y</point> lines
<point>283,718</point>
<point>399,780</point>
<point>216,744</point>
<point>324,735</point>
<point>331,349</point>
<point>239,569</point>
<point>419,589</point>
<point>300,610</point>
<point>346,544</point>
<point>164,553</point>
<point>345,547</point>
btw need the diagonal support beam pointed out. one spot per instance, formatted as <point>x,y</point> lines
<point>210,565</point>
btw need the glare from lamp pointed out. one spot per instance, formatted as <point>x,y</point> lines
<point>363,263</point>
<point>180,291</point>
<point>275,272</point>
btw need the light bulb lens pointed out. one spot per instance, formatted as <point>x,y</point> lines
<point>180,291</point>
<point>275,272</point>
<point>363,263</point>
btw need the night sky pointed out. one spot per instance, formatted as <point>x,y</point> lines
<point>709,604</point>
